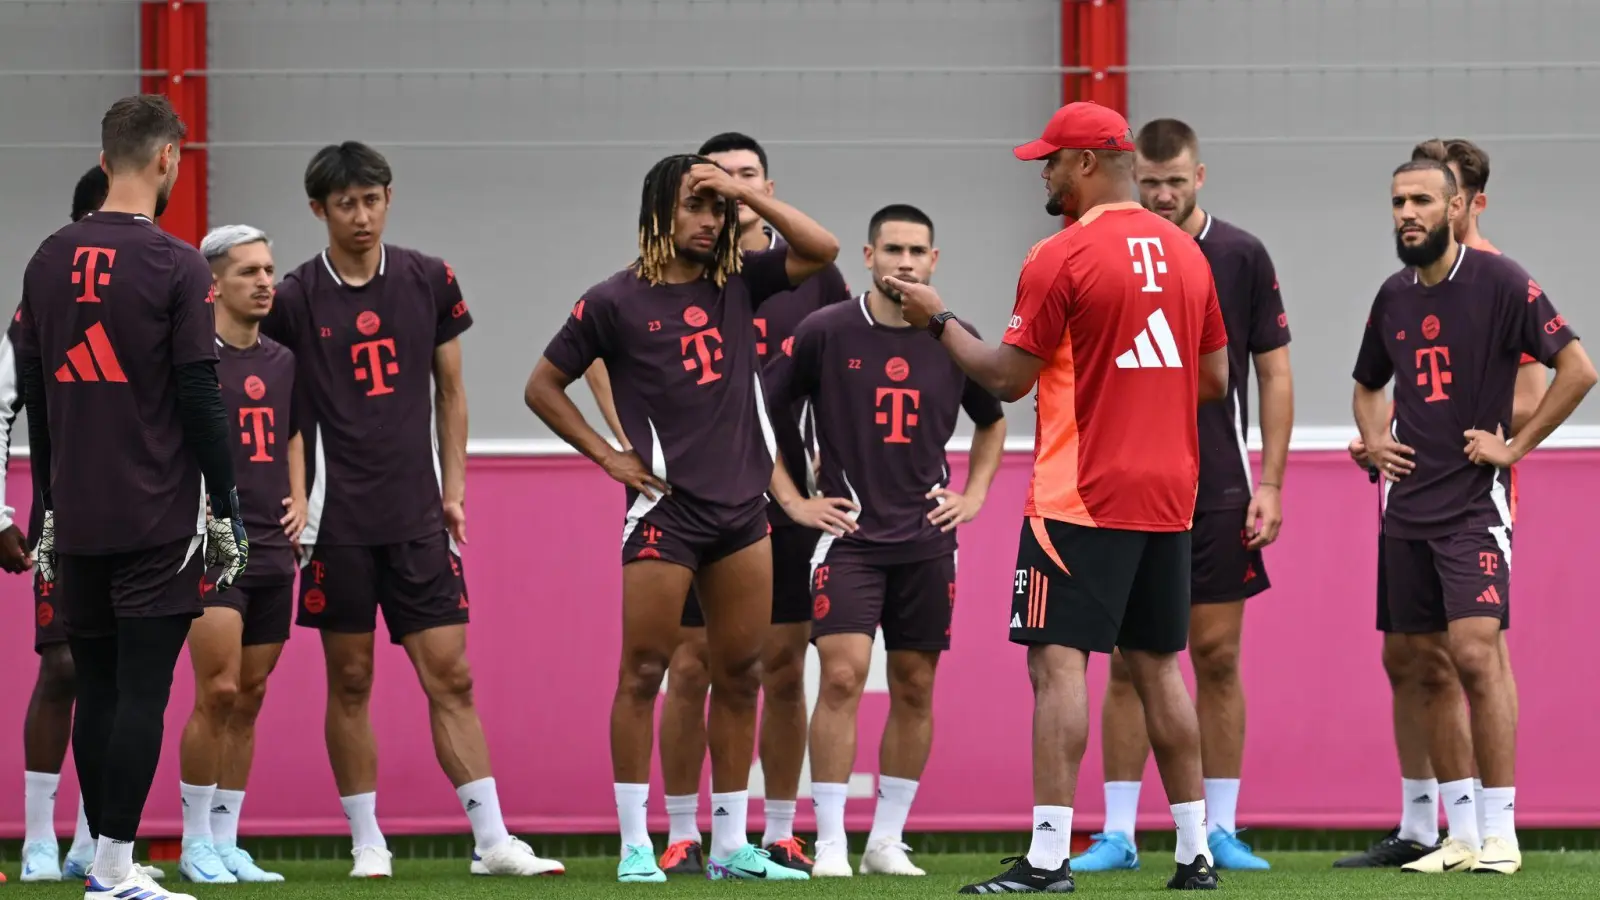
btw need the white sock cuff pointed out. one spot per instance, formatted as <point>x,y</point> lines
<point>901,789</point>
<point>828,791</point>
<point>779,807</point>
<point>683,803</point>
<point>48,780</point>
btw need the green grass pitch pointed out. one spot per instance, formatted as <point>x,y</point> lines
<point>1571,876</point>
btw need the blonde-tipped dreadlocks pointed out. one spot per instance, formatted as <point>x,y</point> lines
<point>657,214</point>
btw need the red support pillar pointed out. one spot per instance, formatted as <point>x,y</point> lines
<point>1094,35</point>
<point>173,38</point>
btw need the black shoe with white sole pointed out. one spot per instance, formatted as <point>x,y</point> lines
<point>1023,878</point>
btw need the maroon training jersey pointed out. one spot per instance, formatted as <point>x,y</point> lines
<point>364,359</point>
<point>886,402</point>
<point>110,305</point>
<point>258,388</point>
<point>1453,350</point>
<point>684,374</point>
<point>1252,311</point>
<point>775,324</point>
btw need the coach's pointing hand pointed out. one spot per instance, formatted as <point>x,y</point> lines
<point>918,302</point>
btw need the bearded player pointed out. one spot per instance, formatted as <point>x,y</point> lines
<point>1450,330</point>
<point>1422,680</point>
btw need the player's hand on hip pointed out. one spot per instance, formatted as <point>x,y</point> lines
<point>1392,458</point>
<point>44,555</point>
<point>918,302</point>
<point>294,519</point>
<point>1487,449</point>
<point>628,468</point>
<point>227,545</point>
<point>830,514</point>
<point>1265,516</point>
<point>455,520</point>
<point>953,509</point>
<point>14,550</point>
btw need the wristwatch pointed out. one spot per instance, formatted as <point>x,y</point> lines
<point>936,324</point>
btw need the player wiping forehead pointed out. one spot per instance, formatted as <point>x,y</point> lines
<point>676,330</point>
<point>1424,681</point>
<point>375,330</point>
<point>235,644</point>
<point>887,400</point>
<point>1449,330</point>
<point>783,701</point>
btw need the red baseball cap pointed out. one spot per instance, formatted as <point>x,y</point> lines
<point>1083,125</point>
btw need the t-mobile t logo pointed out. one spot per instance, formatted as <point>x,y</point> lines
<point>91,275</point>
<point>376,366</point>
<point>1145,262</point>
<point>706,351</point>
<point>257,422</point>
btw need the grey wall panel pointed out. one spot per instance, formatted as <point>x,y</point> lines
<point>527,228</point>
<point>1302,157</point>
<point>36,184</point>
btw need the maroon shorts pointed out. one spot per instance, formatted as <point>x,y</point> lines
<point>95,591</point>
<point>267,608</point>
<point>690,533</point>
<point>913,601</point>
<point>1225,569</point>
<point>1431,583</point>
<point>792,546</point>
<point>418,584</point>
<point>49,628</point>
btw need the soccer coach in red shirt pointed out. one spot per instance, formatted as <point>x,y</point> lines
<point>1117,322</point>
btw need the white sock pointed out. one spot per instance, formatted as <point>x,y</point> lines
<point>683,810</point>
<point>113,860</point>
<point>1122,807</point>
<point>482,803</point>
<point>83,843</point>
<point>39,804</point>
<point>1499,812</point>
<point>633,805</point>
<point>829,802</point>
<point>1222,805</point>
<point>1052,837</point>
<point>362,811</point>
<point>1461,811</point>
<point>197,810</point>
<point>1477,803</point>
<point>728,834</point>
<point>894,804</point>
<point>225,807</point>
<point>1190,818</point>
<point>1419,810</point>
<point>780,822</point>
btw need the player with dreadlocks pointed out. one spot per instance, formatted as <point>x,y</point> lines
<point>676,330</point>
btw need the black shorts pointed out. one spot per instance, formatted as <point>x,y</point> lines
<point>1431,583</point>
<point>419,585</point>
<point>912,601</point>
<point>49,629</point>
<point>96,591</point>
<point>1384,625</point>
<point>1226,570</point>
<point>1095,589</point>
<point>792,546</point>
<point>692,534</point>
<point>267,608</point>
